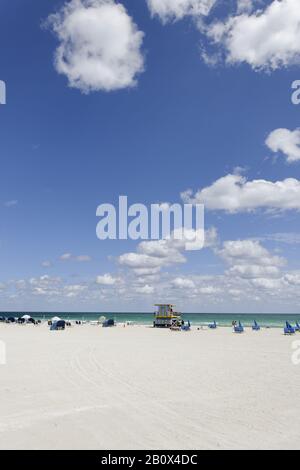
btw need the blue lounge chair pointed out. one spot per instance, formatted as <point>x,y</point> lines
<point>108,323</point>
<point>186,327</point>
<point>239,328</point>
<point>289,330</point>
<point>255,326</point>
<point>213,326</point>
<point>297,327</point>
<point>58,325</point>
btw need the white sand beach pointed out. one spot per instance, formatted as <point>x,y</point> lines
<point>141,388</point>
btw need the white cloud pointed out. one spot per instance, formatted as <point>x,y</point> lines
<point>268,284</point>
<point>146,271</point>
<point>252,285</point>
<point>249,251</point>
<point>168,251</point>
<point>292,279</point>
<point>100,45</point>
<point>140,261</point>
<point>233,193</point>
<point>65,257</point>
<point>266,39</point>
<point>151,256</point>
<point>107,280</point>
<point>173,10</point>
<point>285,141</point>
<point>44,281</point>
<point>183,283</point>
<point>209,290</point>
<point>248,259</point>
<point>79,259</point>
<point>75,290</point>
<point>211,237</point>
<point>244,6</point>
<point>254,271</point>
<point>145,290</point>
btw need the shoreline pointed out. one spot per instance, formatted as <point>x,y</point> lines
<point>196,320</point>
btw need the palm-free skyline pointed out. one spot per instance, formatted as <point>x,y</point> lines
<point>164,101</point>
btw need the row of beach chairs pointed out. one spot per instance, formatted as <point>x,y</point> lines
<point>239,328</point>
<point>291,330</point>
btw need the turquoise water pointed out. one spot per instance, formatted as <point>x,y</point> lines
<point>197,319</point>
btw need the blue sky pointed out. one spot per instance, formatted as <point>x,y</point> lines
<point>190,105</point>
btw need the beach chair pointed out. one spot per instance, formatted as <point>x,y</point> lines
<point>289,330</point>
<point>297,328</point>
<point>213,326</point>
<point>239,328</point>
<point>255,326</point>
<point>186,327</point>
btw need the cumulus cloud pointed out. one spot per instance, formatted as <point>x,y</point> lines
<point>234,193</point>
<point>183,283</point>
<point>266,39</point>
<point>173,10</point>
<point>246,280</point>
<point>292,278</point>
<point>254,271</point>
<point>107,280</point>
<point>245,6</point>
<point>269,285</point>
<point>145,290</point>
<point>152,256</point>
<point>250,260</point>
<point>249,251</point>
<point>285,141</point>
<point>100,45</point>
<point>140,261</point>
<point>210,290</point>
<point>73,290</point>
<point>194,286</point>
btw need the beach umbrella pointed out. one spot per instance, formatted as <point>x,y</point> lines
<point>54,319</point>
<point>26,317</point>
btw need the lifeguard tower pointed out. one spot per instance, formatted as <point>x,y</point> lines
<point>166,317</point>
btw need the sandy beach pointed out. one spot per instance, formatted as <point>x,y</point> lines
<point>141,388</point>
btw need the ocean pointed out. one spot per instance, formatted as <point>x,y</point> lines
<point>196,319</point>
